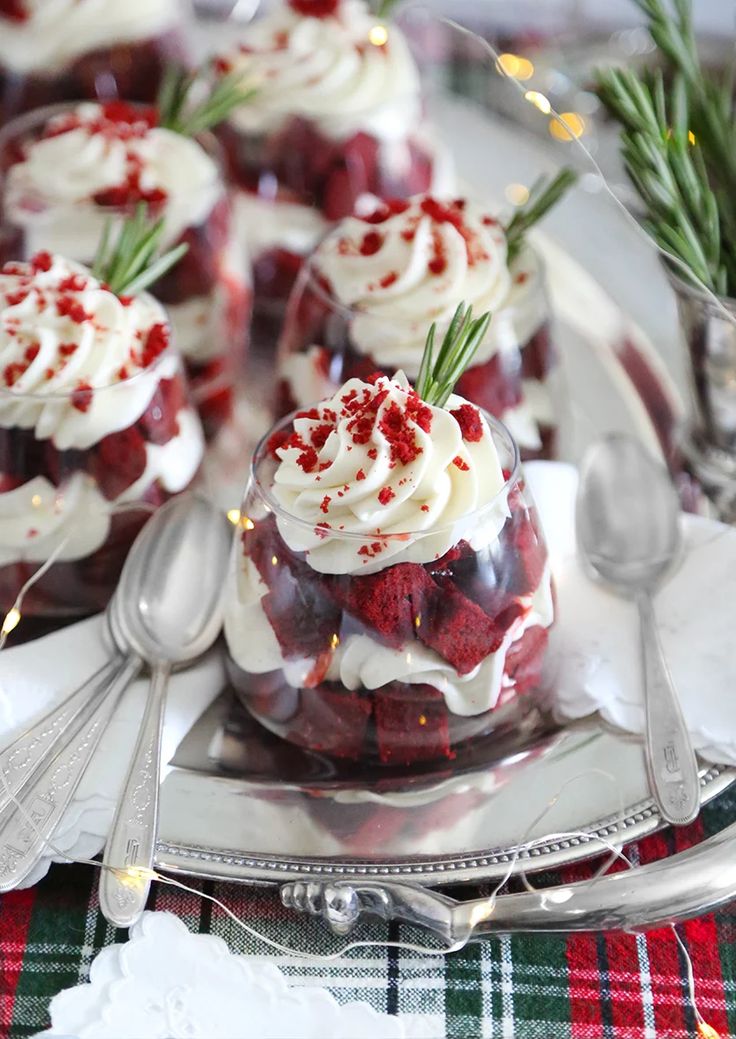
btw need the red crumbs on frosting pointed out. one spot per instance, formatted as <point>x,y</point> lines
<point>470,422</point>
<point>82,397</point>
<point>315,8</point>
<point>461,464</point>
<point>386,495</point>
<point>157,341</point>
<point>67,306</point>
<point>391,207</point>
<point>371,243</point>
<point>325,504</point>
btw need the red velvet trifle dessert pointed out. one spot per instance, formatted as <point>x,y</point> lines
<point>392,590</point>
<point>95,429</point>
<point>337,119</point>
<point>64,50</point>
<point>375,284</point>
<point>67,170</point>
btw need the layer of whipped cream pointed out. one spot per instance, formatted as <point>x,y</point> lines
<point>409,263</point>
<point>76,361</point>
<point>360,662</point>
<point>327,70</point>
<point>374,463</point>
<point>38,520</point>
<point>265,225</point>
<point>308,379</point>
<point>91,154</point>
<point>47,35</point>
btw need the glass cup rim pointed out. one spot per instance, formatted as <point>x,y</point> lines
<point>7,394</point>
<point>38,117</point>
<point>260,454</point>
<point>310,277</point>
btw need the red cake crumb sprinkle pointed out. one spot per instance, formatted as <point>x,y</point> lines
<point>12,372</point>
<point>462,465</point>
<point>360,475</point>
<point>389,279</point>
<point>73,283</point>
<point>157,340</point>
<point>373,453</point>
<point>41,262</point>
<point>315,8</point>
<point>319,434</point>
<point>387,209</point>
<point>82,397</point>
<point>470,422</point>
<point>32,352</point>
<point>521,278</point>
<point>372,550</point>
<point>308,459</point>
<point>386,495</point>
<point>67,349</point>
<point>490,221</point>
<point>15,298</point>
<point>325,504</point>
<point>425,508</point>
<point>67,306</point>
<point>371,243</point>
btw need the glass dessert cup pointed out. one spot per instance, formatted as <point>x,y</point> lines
<point>207,294</point>
<point>129,69</point>
<point>296,182</point>
<point>395,664</point>
<point>324,343</point>
<point>125,449</point>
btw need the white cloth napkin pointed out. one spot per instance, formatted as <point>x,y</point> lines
<point>37,676</point>
<point>595,652</point>
<point>595,644</point>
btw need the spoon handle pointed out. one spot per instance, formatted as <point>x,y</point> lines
<point>26,834</point>
<point>671,763</point>
<point>131,844</point>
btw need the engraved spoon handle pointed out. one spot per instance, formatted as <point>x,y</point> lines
<point>132,839</point>
<point>24,838</point>
<point>671,763</point>
<point>20,762</point>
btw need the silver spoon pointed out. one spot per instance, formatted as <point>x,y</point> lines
<point>170,612</point>
<point>628,530</point>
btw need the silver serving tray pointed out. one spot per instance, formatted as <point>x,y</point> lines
<point>241,805</point>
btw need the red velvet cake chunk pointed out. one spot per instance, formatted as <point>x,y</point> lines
<point>388,603</point>
<point>332,721</point>
<point>525,658</point>
<point>411,724</point>
<point>118,461</point>
<point>459,630</point>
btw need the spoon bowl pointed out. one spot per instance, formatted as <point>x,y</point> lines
<point>628,516</point>
<point>628,530</point>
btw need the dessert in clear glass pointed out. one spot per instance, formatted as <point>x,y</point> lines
<point>391,591</point>
<point>337,119</point>
<point>96,431</point>
<point>65,50</point>
<point>65,171</point>
<point>374,285</point>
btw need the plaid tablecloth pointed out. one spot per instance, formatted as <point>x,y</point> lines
<point>597,986</point>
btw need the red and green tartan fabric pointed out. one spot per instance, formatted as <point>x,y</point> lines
<point>596,986</point>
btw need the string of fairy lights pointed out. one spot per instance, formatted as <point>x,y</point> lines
<point>565,127</point>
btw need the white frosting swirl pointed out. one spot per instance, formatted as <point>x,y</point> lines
<point>326,70</point>
<point>55,32</point>
<point>49,349</point>
<point>51,192</point>
<point>413,267</point>
<point>393,474</point>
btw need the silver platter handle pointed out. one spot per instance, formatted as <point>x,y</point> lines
<point>689,884</point>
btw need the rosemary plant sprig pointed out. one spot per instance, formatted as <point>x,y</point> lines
<point>180,112</point>
<point>667,167</point>
<point>437,376</point>
<point>128,264</point>
<point>544,195</point>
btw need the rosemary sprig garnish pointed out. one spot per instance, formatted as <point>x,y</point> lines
<point>437,376</point>
<point>667,167</point>
<point>544,195</point>
<point>180,112</point>
<point>128,264</point>
<point>384,8</point>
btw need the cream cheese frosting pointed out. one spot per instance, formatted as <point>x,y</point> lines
<point>406,265</point>
<point>374,476</point>
<point>328,70</point>
<point>62,191</point>
<point>46,35</point>
<point>76,361</point>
